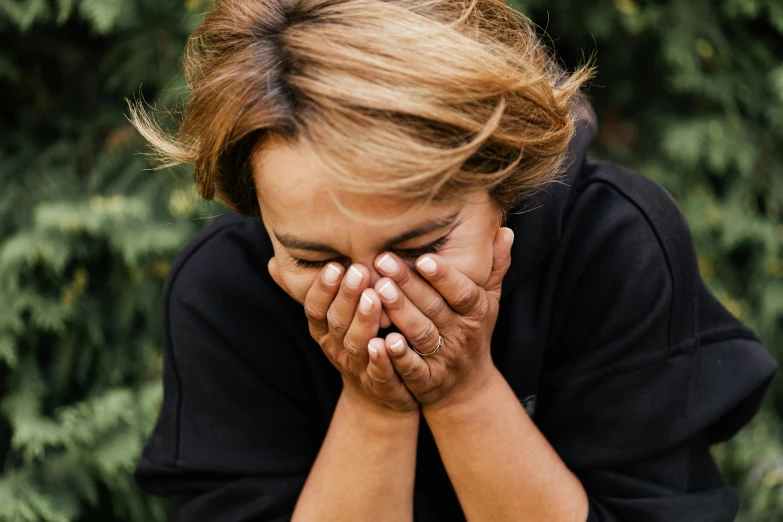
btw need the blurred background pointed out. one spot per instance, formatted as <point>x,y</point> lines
<point>689,92</point>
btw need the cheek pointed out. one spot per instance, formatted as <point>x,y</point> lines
<point>298,281</point>
<point>475,263</point>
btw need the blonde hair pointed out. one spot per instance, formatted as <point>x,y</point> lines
<point>422,99</point>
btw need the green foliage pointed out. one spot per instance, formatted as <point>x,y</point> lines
<point>87,233</point>
<point>689,92</point>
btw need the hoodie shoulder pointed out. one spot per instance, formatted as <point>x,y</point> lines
<point>628,289</point>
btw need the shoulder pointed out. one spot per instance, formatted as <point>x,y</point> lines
<point>224,269</point>
<point>625,205</point>
<point>219,289</point>
<point>226,253</point>
<point>634,327</point>
<point>628,288</point>
<point>627,280</point>
<point>617,196</point>
<point>625,241</point>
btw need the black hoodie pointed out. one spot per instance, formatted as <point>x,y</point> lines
<point>626,362</point>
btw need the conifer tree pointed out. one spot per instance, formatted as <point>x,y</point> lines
<point>87,233</point>
<point>688,92</point>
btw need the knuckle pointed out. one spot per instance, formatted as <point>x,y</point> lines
<point>335,323</point>
<point>480,308</point>
<point>414,373</point>
<point>461,337</point>
<point>351,347</point>
<point>465,296</point>
<point>313,312</point>
<point>352,351</point>
<point>377,382</point>
<point>423,334</point>
<point>434,306</point>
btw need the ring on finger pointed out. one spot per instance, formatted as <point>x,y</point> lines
<point>433,352</point>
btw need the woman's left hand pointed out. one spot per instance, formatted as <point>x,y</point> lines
<point>449,304</point>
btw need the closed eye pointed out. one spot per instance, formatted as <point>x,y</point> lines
<point>405,253</point>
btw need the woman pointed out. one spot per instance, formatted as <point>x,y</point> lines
<point>428,304</point>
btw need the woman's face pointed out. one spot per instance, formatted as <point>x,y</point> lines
<point>308,229</point>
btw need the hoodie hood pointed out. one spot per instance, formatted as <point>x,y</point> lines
<point>537,221</point>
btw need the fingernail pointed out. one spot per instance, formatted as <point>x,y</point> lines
<point>388,265</point>
<point>365,304</point>
<point>354,277</point>
<point>397,347</point>
<point>427,265</point>
<point>373,352</point>
<point>332,274</point>
<point>388,291</point>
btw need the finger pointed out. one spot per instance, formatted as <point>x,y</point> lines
<point>363,327</point>
<point>417,328</point>
<point>414,372</point>
<point>385,320</point>
<point>320,296</point>
<point>462,294</point>
<point>381,375</point>
<point>380,369</point>
<point>343,308</point>
<point>501,260</point>
<point>419,291</point>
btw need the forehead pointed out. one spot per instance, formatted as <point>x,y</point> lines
<point>292,192</point>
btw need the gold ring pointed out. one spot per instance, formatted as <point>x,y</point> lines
<point>433,352</point>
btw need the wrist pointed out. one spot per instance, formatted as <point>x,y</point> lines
<point>471,404</point>
<point>375,415</point>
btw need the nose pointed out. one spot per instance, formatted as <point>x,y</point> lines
<point>374,274</point>
<point>368,261</point>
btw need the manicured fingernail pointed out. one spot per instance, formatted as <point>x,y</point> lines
<point>332,274</point>
<point>354,277</point>
<point>388,291</point>
<point>388,265</point>
<point>427,265</point>
<point>397,347</point>
<point>365,304</point>
<point>373,352</point>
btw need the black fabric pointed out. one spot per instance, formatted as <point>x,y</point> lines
<point>629,366</point>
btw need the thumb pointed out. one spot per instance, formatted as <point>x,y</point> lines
<point>501,260</point>
<point>274,271</point>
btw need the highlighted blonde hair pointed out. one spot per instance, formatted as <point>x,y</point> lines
<point>421,99</point>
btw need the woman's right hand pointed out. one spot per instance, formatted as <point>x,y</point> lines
<point>344,318</point>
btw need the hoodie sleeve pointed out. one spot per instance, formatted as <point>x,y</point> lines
<point>235,438</point>
<point>650,369</point>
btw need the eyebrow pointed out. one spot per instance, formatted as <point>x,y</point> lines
<point>290,241</point>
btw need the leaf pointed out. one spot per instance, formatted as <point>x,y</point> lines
<point>64,9</point>
<point>102,14</point>
<point>8,351</point>
<point>24,13</point>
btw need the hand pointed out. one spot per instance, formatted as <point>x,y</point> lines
<point>344,317</point>
<point>447,303</point>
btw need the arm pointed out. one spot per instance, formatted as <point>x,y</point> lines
<point>651,371</point>
<point>365,468</point>
<point>501,466</point>
<point>243,415</point>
